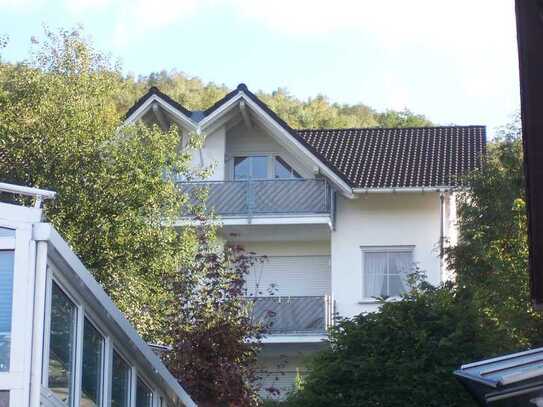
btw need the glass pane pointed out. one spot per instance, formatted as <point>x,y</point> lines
<point>241,168</point>
<point>62,345</point>
<point>375,266</point>
<point>144,396</point>
<point>6,297</point>
<point>282,169</point>
<point>91,380</point>
<point>5,232</point>
<point>120,382</point>
<point>259,167</point>
<point>4,398</point>
<point>400,265</point>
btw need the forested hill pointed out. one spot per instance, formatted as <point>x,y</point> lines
<point>317,112</point>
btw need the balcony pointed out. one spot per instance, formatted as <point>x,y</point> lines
<point>304,315</point>
<point>269,197</point>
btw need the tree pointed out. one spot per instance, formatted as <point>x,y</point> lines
<point>403,355</point>
<point>211,330</point>
<point>403,118</point>
<point>491,256</point>
<point>58,130</point>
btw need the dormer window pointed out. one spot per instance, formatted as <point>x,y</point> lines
<point>263,167</point>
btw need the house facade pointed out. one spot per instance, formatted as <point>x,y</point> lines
<point>62,340</point>
<point>342,215</point>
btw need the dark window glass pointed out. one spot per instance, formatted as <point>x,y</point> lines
<point>62,345</point>
<point>144,396</point>
<point>4,398</point>
<point>5,232</point>
<point>242,168</point>
<point>6,298</point>
<point>120,382</point>
<point>91,380</point>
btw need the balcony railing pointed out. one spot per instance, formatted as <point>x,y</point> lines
<point>261,197</point>
<point>304,315</point>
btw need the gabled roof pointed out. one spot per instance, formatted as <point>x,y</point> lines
<point>372,158</point>
<point>400,157</point>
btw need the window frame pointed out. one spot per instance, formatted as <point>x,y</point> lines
<point>132,371</point>
<point>9,243</point>
<point>146,384</point>
<point>382,249</point>
<point>104,363</point>
<point>111,344</point>
<point>270,174</point>
<point>78,341</point>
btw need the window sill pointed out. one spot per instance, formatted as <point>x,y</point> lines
<point>366,301</point>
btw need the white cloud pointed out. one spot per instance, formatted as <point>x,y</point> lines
<point>137,17</point>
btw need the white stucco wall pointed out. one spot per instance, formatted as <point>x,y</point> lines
<point>212,154</point>
<point>381,220</point>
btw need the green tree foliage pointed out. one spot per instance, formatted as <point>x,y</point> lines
<point>210,326</point>
<point>491,256</point>
<point>58,130</point>
<point>317,112</point>
<point>403,355</point>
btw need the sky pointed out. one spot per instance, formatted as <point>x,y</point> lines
<point>453,61</point>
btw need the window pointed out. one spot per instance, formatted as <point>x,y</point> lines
<point>62,345</point>
<point>120,382</point>
<point>253,167</point>
<point>385,271</point>
<point>144,395</point>
<point>258,167</point>
<point>91,379</point>
<point>6,298</point>
<point>4,398</point>
<point>283,170</point>
<point>5,232</point>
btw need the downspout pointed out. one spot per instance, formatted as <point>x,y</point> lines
<point>441,231</point>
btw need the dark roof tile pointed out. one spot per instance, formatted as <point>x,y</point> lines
<point>400,157</point>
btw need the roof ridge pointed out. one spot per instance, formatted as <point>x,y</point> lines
<point>453,126</point>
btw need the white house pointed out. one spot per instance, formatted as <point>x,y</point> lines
<point>62,340</point>
<point>342,214</point>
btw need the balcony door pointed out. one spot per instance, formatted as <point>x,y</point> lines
<point>251,167</point>
<point>256,167</point>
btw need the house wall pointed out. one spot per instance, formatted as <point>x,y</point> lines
<point>212,154</point>
<point>241,140</point>
<point>381,220</point>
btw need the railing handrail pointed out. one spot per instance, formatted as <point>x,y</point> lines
<point>320,180</point>
<point>284,296</point>
<point>38,194</point>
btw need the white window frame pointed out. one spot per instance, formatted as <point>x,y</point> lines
<point>54,273</point>
<point>146,383</point>
<point>382,249</point>
<point>271,165</point>
<point>104,362</point>
<point>131,369</point>
<point>78,341</point>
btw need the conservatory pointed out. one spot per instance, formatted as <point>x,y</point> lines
<point>62,340</point>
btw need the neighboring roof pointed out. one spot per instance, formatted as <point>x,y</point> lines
<point>400,157</point>
<point>370,158</point>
